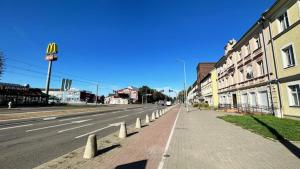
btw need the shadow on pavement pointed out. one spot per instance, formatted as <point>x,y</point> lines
<point>146,125</point>
<point>107,149</point>
<point>134,165</point>
<point>290,146</point>
<point>131,134</point>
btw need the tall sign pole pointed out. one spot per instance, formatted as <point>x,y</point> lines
<point>51,55</point>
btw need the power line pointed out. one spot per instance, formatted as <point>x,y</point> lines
<point>62,75</point>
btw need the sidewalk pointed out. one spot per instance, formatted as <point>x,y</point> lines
<point>142,149</point>
<point>202,141</point>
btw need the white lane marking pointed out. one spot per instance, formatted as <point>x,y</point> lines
<point>15,126</point>
<point>73,122</point>
<point>116,124</point>
<point>61,131</point>
<point>72,118</point>
<point>92,132</point>
<point>49,118</point>
<point>122,116</point>
<point>98,114</point>
<point>162,162</point>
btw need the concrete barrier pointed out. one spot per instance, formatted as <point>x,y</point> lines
<point>138,123</point>
<point>123,130</point>
<point>147,120</point>
<point>153,116</point>
<point>91,147</point>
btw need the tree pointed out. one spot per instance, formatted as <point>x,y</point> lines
<point>1,64</point>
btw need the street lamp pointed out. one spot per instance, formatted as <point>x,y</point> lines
<point>185,92</point>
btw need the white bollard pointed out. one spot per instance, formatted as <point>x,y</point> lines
<point>156,114</point>
<point>160,114</point>
<point>153,116</point>
<point>91,147</point>
<point>123,130</point>
<point>138,123</point>
<point>147,120</point>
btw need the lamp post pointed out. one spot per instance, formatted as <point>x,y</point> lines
<point>185,92</point>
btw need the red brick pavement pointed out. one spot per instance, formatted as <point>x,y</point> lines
<point>145,149</point>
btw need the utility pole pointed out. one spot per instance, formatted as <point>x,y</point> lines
<point>97,93</point>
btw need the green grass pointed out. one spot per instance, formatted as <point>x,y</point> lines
<point>268,126</point>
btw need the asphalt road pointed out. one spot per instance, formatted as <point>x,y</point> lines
<point>31,143</point>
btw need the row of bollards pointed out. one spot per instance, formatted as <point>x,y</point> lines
<point>91,145</point>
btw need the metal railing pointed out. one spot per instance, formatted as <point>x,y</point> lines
<point>247,108</point>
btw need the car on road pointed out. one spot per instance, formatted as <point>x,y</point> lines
<point>168,103</point>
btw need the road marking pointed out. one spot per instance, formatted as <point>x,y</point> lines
<point>98,114</point>
<point>49,118</point>
<point>116,124</point>
<point>122,116</point>
<point>61,131</point>
<point>72,118</point>
<point>92,132</point>
<point>73,122</point>
<point>16,126</point>
<point>162,162</point>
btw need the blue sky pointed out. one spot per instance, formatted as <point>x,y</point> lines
<point>119,42</point>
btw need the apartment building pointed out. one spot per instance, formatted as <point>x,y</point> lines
<point>209,89</point>
<point>203,69</point>
<point>282,21</point>
<point>261,69</point>
<point>192,93</point>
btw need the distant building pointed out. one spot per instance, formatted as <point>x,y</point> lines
<point>73,95</point>
<point>20,94</point>
<point>209,89</point>
<point>203,69</point>
<point>123,96</point>
<point>192,93</point>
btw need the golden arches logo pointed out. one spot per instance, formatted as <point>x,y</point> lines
<point>52,49</point>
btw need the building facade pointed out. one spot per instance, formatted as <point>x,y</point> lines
<point>260,72</point>
<point>192,93</point>
<point>209,89</point>
<point>282,21</point>
<point>203,69</point>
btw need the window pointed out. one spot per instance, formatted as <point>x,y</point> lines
<point>257,42</point>
<point>249,74</point>
<point>263,99</point>
<point>283,22</point>
<point>260,68</point>
<point>288,57</point>
<point>248,49</point>
<point>252,99</point>
<point>244,100</point>
<point>294,95</point>
<point>241,75</point>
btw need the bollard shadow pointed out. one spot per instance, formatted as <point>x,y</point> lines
<point>131,134</point>
<point>146,125</point>
<point>107,149</point>
<point>290,146</point>
<point>134,165</point>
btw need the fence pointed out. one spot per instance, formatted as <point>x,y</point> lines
<point>247,108</point>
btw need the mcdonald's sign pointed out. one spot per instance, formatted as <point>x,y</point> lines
<point>52,49</point>
<point>51,52</point>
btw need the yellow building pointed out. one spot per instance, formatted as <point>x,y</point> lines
<point>283,20</point>
<point>209,89</point>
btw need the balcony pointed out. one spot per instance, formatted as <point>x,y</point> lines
<point>247,59</point>
<point>258,52</point>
